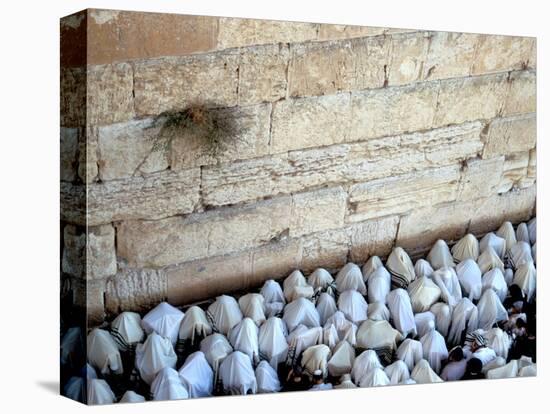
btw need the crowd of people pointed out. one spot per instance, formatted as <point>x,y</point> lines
<point>460,313</point>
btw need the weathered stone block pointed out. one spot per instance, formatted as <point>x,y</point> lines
<point>72,88</point>
<point>388,111</point>
<point>480,178</point>
<point>450,55</point>
<point>341,31</point>
<point>508,135</point>
<point>68,153</point>
<point>403,193</point>
<point>373,237</point>
<point>309,122</point>
<point>469,99</point>
<point>502,53</point>
<point>135,290</point>
<point>72,199</point>
<point>522,96</point>
<point>514,170</point>
<point>88,296</point>
<point>275,260</point>
<point>408,54</point>
<point>328,249</point>
<point>531,177</point>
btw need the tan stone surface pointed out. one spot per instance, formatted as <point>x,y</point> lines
<point>500,53</point>
<point>88,296</point>
<point>342,31</point>
<point>480,178</point>
<point>450,55</point>
<point>522,96</point>
<point>407,57</point>
<point>68,153</point>
<point>373,237</point>
<point>531,177</point>
<point>72,198</point>
<point>514,171</point>
<point>512,134</point>
<point>328,249</point>
<point>72,97</point>
<point>276,260</point>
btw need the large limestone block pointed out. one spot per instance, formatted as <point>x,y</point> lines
<point>275,260</point>
<point>407,57</point>
<point>135,290</point>
<point>373,238</point>
<point>154,196</point>
<point>512,134</point>
<point>328,249</point>
<point>88,169</point>
<point>89,298</point>
<point>531,176</point>
<point>68,153</point>
<point>450,55</point>
<point>394,110</point>
<point>309,122</point>
<point>402,193</point>
<point>522,96</point>
<point>342,31</point>
<point>514,170</point>
<point>480,178</point>
<point>468,99</point>
<point>72,88</point>
<point>502,53</point>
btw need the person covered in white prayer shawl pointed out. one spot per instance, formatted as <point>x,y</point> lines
<point>165,320</point>
<point>397,372</point>
<point>267,378</point>
<point>224,314</point>
<point>274,298</point>
<point>499,341</point>
<point>322,281</point>
<point>526,278</point>
<point>237,375</point>
<point>380,337</point>
<point>379,285</point>
<point>506,231</point>
<point>363,364</point>
<point>447,280</point>
<point>319,382</point>
<point>99,392</point>
<point>167,385</point>
<point>350,278</point>
<point>103,352</point>
<point>126,330</point>
<point>193,329</point>
<point>466,248</point>
<point>295,286</point>
<point>488,260</point>
<point>76,386</point>
<point>410,352</point>
<point>301,311</point>
<point>440,255</point>
<point>469,277</point>
<point>132,397</point>
<point>456,365</point>
<point>72,354</point>
<point>253,306</point>
<point>424,374</point>
<point>425,322</point>
<point>341,362</point>
<point>494,279</point>
<point>244,337</point>
<point>326,307</point>
<point>497,243</point>
<point>522,233</point>
<point>476,348</point>
<point>300,339</point>
<point>316,358</point>
<point>272,341</point>
<point>443,317</point>
<point>423,268</point>
<point>423,293</point>
<point>434,349</point>
<point>216,348</point>
<point>464,321</point>
<point>401,268</point>
<point>370,266</point>
<point>401,312</point>
<point>344,329</point>
<point>153,355</point>
<point>345,383</point>
<point>490,310</point>
<point>197,375</point>
<point>374,378</point>
<point>353,305</point>
<point>378,311</point>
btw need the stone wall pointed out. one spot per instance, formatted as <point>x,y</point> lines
<point>349,140</point>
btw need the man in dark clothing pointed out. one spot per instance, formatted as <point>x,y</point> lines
<point>473,370</point>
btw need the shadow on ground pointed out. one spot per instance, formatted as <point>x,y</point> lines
<point>51,386</point>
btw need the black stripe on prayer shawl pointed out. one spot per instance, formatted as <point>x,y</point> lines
<point>211,320</point>
<point>121,342</point>
<point>385,354</point>
<point>398,280</point>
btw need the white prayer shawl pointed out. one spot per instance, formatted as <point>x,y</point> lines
<point>272,292</point>
<point>469,277</point>
<point>532,227</point>
<point>397,372</point>
<point>132,397</point>
<point>345,329</point>
<point>295,279</point>
<point>423,293</point>
<point>167,385</point>
<point>400,267</point>
<point>489,260</point>
<point>252,306</point>
<point>216,348</point>
<point>274,309</point>
<point>497,243</point>
<point>425,322</point>
<point>466,248</point>
<point>75,389</point>
<point>342,359</point>
<point>434,349</point>
<point>506,231</point>
<point>424,374</point>
<point>534,252</point>
<point>301,311</point>
<point>126,330</point>
<point>522,233</point>
<point>350,278</point>
<point>490,310</point>
<point>353,306</point>
<point>465,317</point>
<point>494,279</point>
<point>99,393</point>
<point>526,278</point>
<point>410,352</point>
<point>153,355</point>
<point>401,311</point>
<point>378,311</point>
<point>524,361</point>
<point>447,280</point>
<point>72,345</point>
<point>520,253</point>
<point>165,320</point>
<point>345,383</point>
<point>326,307</point>
<point>499,341</point>
<point>224,314</point>
<point>197,375</point>
<point>194,324</point>
<point>423,268</point>
<point>495,363</point>
<point>320,279</point>
<point>379,284</point>
<point>330,336</point>
<point>267,379</point>
<point>510,370</point>
<point>366,362</point>
<point>370,266</point>
<point>508,276</point>
<point>244,337</point>
<point>103,352</point>
<point>377,334</point>
<point>440,255</point>
<point>375,378</point>
<point>443,317</point>
<point>302,338</point>
<point>272,341</point>
<point>316,358</point>
<point>296,292</point>
<point>237,374</point>
<point>528,371</point>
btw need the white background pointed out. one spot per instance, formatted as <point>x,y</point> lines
<point>29,230</point>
